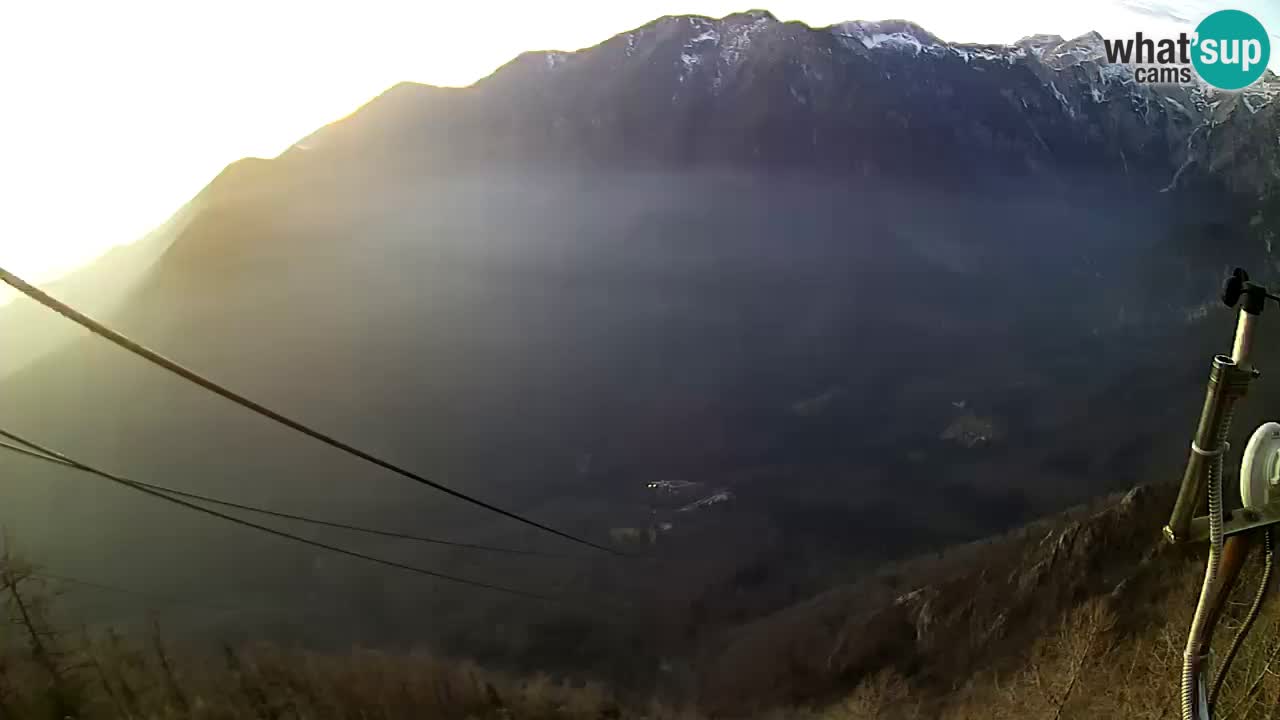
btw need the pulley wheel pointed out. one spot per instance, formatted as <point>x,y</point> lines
<point>1260,466</point>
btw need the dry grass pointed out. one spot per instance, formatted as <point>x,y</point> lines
<point>1033,627</point>
<point>116,678</point>
<point>46,673</point>
<point>1108,657</point>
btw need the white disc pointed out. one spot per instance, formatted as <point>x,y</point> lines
<point>1259,465</point>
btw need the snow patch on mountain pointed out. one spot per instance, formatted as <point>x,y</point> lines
<point>1116,74</point>
<point>1038,44</point>
<point>1256,97</point>
<point>1059,54</point>
<point>983,52</point>
<point>1066,104</point>
<point>1191,138</point>
<point>1085,48</point>
<point>1177,105</point>
<point>899,39</point>
<point>555,59</point>
<point>710,55</point>
<point>708,36</point>
<point>689,60</point>
<point>738,36</point>
<point>991,53</point>
<point>733,35</point>
<point>895,34</point>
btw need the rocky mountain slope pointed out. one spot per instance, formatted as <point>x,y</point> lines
<point>1074,616</point>
<point>887,293</point>
<point>946,618</point>
<point>876,99</point>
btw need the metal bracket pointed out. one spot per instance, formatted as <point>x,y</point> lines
<point>1235,522</point>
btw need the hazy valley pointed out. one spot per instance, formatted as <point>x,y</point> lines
<point>795,314</point>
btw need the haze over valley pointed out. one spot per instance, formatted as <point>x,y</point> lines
<point>774,307</point>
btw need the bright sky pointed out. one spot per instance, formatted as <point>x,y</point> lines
<point>115,113</point>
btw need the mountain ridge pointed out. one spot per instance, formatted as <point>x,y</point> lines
<point>598,270</point>
<point>549,108</point>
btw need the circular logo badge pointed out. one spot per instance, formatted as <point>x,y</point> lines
<point>1232,51</point>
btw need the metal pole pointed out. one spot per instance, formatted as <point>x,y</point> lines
<point>1224,371</point>
<point>1192,491</point>
<point>1245,327</point>
<point>1225,559</point>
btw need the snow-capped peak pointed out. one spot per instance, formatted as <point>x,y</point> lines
<point>1039,44</point>
<point>715,48</point>
<point>898,34</point>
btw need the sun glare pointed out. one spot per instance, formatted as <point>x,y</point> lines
<point>117,113</point>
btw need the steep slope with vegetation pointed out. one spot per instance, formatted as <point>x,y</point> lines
<point>1080,615</point>
<point>52,669</point>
